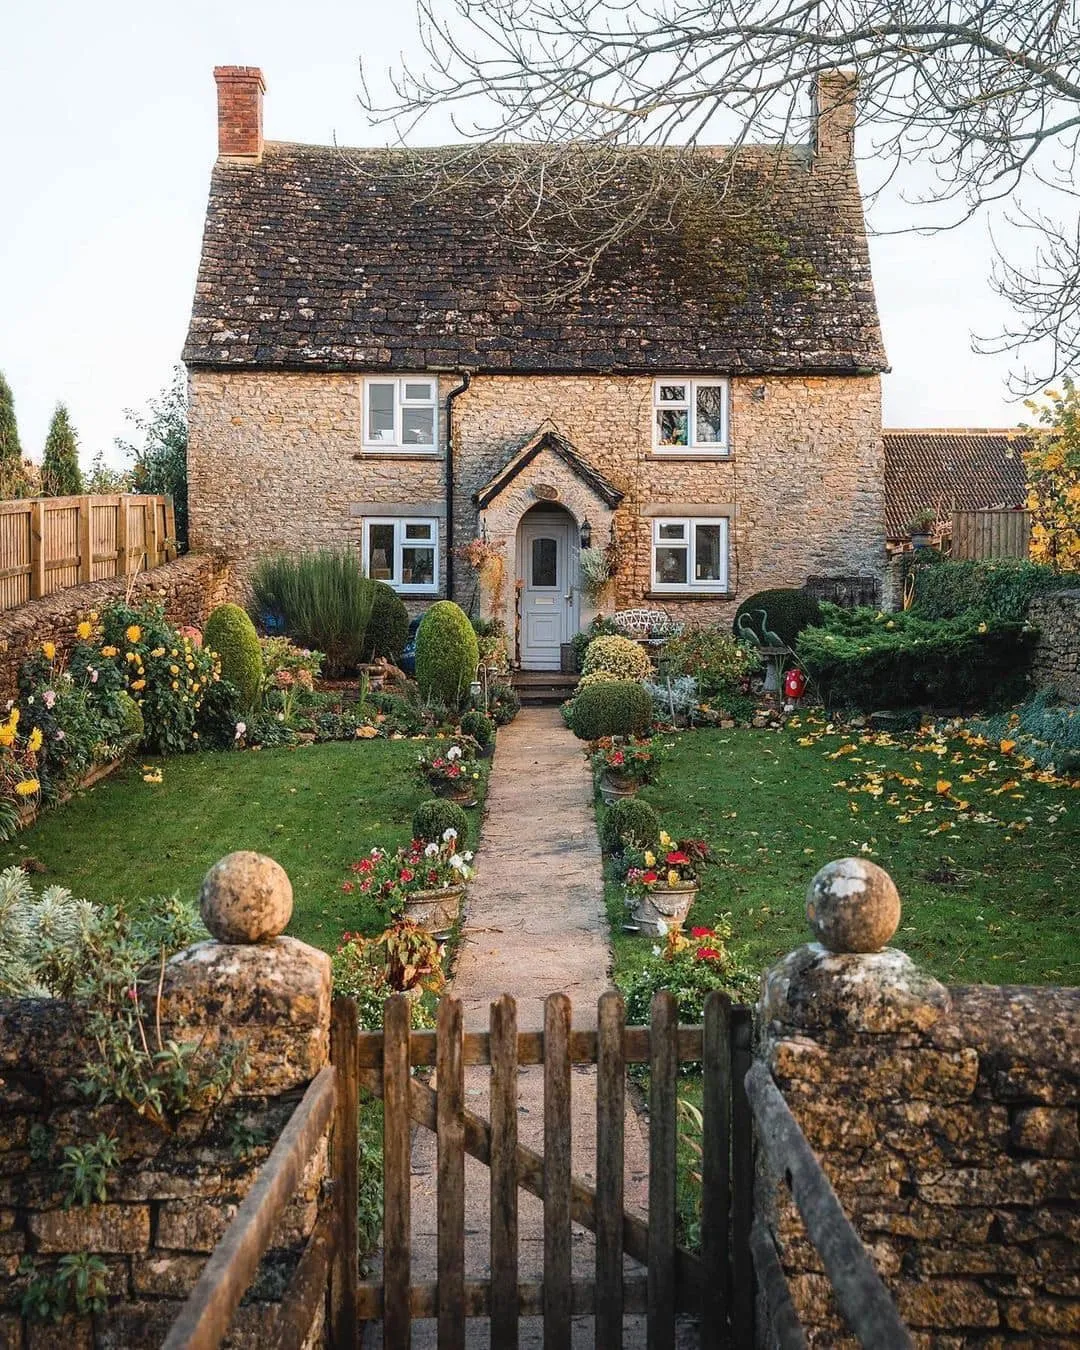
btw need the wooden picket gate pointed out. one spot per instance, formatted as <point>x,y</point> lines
<point>716,1284</point>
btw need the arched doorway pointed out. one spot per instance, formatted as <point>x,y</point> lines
<point>547,564</point>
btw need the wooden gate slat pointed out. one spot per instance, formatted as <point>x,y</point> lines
<point>345,1162</point>
<point>742,1182</point>
<point>397,1329</point>
<point>557,1173</point>
<point>610,1165</point>
<point>663,1136</point>
<point>716,1173</point>
<point>450,1079</point>
<point>504,1178</point>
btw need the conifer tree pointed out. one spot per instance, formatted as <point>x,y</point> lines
<point>60,472</point>
<point>10,449</point>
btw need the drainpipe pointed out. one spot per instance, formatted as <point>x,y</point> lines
<point>466,380</point>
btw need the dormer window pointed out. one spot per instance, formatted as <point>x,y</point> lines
<point>400,413</point>
<point>690,416</point>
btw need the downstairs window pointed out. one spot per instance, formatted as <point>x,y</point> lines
<point>690,554</point>
<point>404,553</point>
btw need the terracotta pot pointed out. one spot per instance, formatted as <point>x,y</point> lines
<point>664,904</point>
<point>435,910</point>
<point>615,786</point>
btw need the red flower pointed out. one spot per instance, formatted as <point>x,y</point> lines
<point>649,878</point>
<point>708,954</point>
<point>701,932</point>
<point>407,874</point>
<point>454,771</point>
<point>432,875</point>
<point>676,857</point>
<point>618,757</point>
<point>365,885</point>
<point>347,887</point>
<point>364,865</point>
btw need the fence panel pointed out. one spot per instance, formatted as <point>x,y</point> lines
<point>990,534</point>
<point>50,543</point>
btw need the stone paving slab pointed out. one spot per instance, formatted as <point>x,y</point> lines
<point>535,925</point>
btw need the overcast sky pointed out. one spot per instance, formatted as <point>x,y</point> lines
<point>109,124</point>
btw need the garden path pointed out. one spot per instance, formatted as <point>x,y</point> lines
<point>536,925</point>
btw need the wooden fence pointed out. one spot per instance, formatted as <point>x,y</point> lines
<point>49,543</point>
<point>990,534</point>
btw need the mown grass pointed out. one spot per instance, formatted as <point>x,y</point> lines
<point>314,808</point>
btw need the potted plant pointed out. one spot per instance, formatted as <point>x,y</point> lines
<point>623,765</point>
<point>434,893</point>
<point>595,565</point>
<point>922,527</point>
<point>662,885</point>
<point>453,772</point>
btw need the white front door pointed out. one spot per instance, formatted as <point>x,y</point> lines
<point>549,605</point>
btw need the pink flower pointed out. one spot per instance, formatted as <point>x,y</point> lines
<point>347,887</point>
<point>49,697</point>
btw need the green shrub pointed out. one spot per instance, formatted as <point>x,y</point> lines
<point>787,612</point>
<point>595,677</point>
<point>629,822</point>
<point>479,726</point>
<point>388,626</point>
<point>619,656</point>
<point>231,634</point>
<point>131,718</point>
<point>433,818</point>
<point>321,600</point>
<point>624,708</point>
<point>998,588</point>
<point>716,661</point>
<point>446,653</point>
<point>600,627</point>
<point>865,659</point>
<point>1044,730</point>
<point>503,704</point>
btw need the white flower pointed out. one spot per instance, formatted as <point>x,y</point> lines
<point>458,863</point>
<point>432,851</point>
<point>656,949</point>
<point>241,727</point>
<point>281,717</point>
<point>454,752</point>
<point>661,928</point>
<point>449,835</point>
<point>468,857</point>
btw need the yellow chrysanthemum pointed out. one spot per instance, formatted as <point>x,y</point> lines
<point>138,684</point>
<point>7,735</point>
<point>28,787</point>
<point>650,859</point>
<point>109,651</point>
<point>49,650</point>
<point>158,651</point>
<point>133,632</point>
<point>174,670</point>
<point>84,630</point>
<point>34,743</point>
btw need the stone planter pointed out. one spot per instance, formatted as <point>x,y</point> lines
<point>462,792</point>
<point>664,904</point>
<point>436,910</point>
<point>614,786</point>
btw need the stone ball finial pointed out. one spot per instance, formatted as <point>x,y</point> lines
<point>246,898</point>
<point>853,906</point>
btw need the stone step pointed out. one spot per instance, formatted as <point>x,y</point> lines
<point>537,688</point>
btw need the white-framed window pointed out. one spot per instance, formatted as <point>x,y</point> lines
<point>690,554</point>
<point>403,552</point>
<point>401,412</point>
<point>690,416</point>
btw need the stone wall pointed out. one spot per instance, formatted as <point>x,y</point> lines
<point>189,587</point>
<point>946,1120</point>
<point>1057,652</point>
<point>275,462</point>
<point>174,1192</point>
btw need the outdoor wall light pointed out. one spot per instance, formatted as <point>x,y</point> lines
<point>586,533</point>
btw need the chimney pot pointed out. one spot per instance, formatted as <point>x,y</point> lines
<point>834,117</point>
<point>240,92</point>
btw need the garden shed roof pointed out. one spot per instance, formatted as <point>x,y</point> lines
<point>316,257</point>
<point>946,469</point>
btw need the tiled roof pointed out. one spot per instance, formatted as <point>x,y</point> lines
<point>324,259</point>
<point>951,468</point>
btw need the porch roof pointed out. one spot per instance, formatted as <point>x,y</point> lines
<point>548,438</point>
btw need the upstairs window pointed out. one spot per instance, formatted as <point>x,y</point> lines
<point>400,413</point>
<point>690,555</point>
<point>404,553</point>
<point>690,416</point>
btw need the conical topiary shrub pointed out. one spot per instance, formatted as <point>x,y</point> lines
<point>230,633</point>
<point>446,654</point>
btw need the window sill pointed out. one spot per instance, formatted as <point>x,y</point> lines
<point>692,456</point>
<point>396,452</point>
<point>689,595</point>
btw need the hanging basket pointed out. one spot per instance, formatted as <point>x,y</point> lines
<point>667,905</point>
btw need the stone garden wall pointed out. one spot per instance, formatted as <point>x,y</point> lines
<point>946,1120</point>
<point>189,587</point>
<point>174,1191</point>
<point>1057,653</point>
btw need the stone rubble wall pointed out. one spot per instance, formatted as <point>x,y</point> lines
<point>947,1121</point>
<point>173,1195</point>
<point>275,462</point>
<point>1056,662</point>
<point>189,587</point>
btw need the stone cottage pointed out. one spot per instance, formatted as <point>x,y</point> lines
<point>380,357</point>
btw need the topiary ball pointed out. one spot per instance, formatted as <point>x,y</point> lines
<point>433,818</point>
<point>131,718</point>
<point>446,654</point>
<point>388,626</point>
<point>629,822</point>
<point>230,633</point>
<point>620,709</point>
<point>619,656</point>
<point>787,612</point>
<point>479,726</point>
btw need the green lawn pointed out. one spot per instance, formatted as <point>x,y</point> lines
<point>988,868</point>
<point>314,808</point>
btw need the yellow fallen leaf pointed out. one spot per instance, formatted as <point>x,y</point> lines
<point>943,785</point>
<point>1006,746</point>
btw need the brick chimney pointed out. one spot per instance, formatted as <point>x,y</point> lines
<point>834,117</point>
<point>240,92</point>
